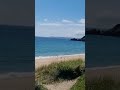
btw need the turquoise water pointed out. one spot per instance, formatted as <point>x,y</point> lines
<point>57,46</point>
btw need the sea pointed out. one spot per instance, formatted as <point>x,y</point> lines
<point>55,46</point>
<point>17,51</point>
<point>102,51</point>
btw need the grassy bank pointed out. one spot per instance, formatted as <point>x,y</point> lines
<point>103,84</point>
<point>40,87</point>
<point>58,72</point>
<point>80,84</point>
<point>61,71</point>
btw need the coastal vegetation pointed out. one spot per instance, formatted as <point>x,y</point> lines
<point>80,84</point>
<point>59,72</point>
<point>115,31</point>
<point>104,83</point>
<point>40,87</point>
<point>78,39</point>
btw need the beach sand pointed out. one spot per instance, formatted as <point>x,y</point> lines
<point>65,85</point>
<point>17,82</point>
<point>48,60</point>
<point>112,72</point>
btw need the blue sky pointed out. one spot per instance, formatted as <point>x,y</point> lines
<point>60,18</point>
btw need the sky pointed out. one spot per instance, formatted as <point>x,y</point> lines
<point>102,13</point>
<point>17,12</point>
<point>59,18</point>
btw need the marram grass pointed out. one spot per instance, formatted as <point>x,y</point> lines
<point>104,83</point>
<point>57,72</point>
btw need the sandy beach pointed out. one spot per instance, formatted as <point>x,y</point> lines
<point>112,72</point>
<point>65,85</point>
<point>41,61</point>
<point>17,81</point>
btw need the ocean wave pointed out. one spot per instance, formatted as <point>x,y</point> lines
<point>104,67</point>
<point>44,57</point>
<point>16,74</point>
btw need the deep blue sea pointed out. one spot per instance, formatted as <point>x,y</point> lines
<point>17,50</point>
<point>102,51</point>
<point>51,46</point>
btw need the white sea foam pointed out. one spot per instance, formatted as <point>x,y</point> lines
<point>16,74</point>
<point>45,57</point>
<point>107,67</point>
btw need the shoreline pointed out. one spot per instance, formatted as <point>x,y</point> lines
<point>48,60</point>
<point>104,67</point>
<point>112,72</point>
<point>17,81</point>
<point>16,75</point>
<point>41,57</point>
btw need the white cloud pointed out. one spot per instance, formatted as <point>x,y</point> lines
<point>66,21</point>
<point>50,24</point>
<point>60,29</point>
<point>82,21</point>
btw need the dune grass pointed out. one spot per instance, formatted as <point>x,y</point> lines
<point>80,84</point>
<point>40,87</point>
<point>104,83</point>
<point>57,72</point>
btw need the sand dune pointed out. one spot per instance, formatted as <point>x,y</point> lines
<point>48,60</point>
